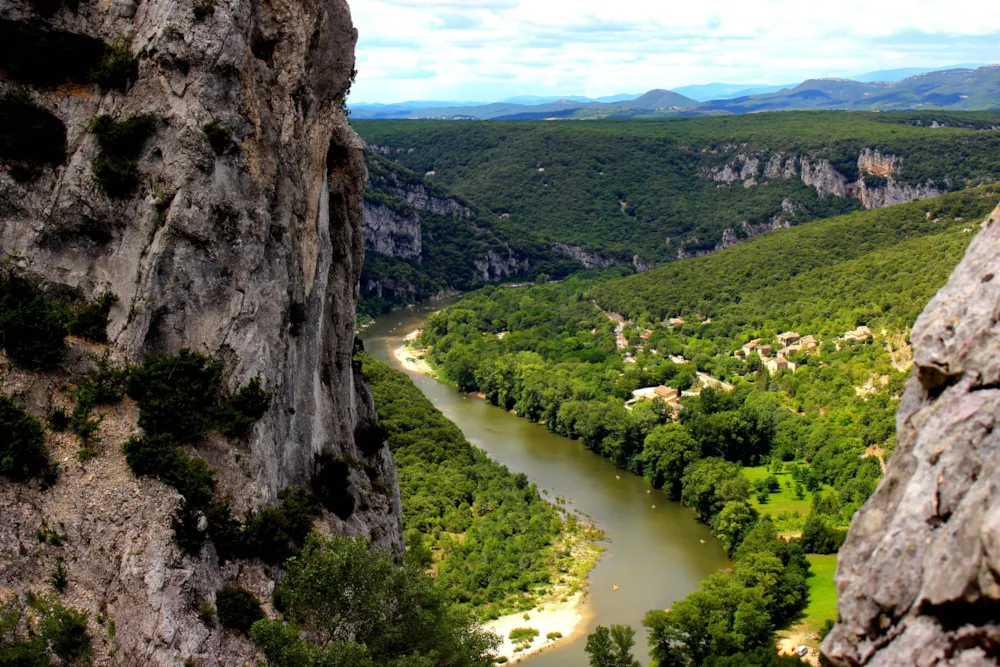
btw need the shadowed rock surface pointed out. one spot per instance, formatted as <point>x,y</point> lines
<point>919,577</point>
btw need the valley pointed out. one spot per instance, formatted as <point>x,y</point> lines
<point>621,380</point>
<point>653,556</point>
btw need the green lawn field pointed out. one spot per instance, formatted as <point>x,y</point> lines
<point>783,505</point>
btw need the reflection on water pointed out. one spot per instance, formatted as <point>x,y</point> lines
<point>654,556</point>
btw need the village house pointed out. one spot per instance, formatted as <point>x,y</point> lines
<point>668,395</point>
<point>751,346</point>
<point>765,351</point>
<point>779,364</point>
<point>808,343</point>
<point>677,359</point>
<point>861,333</point>
<point>676,321</point>
<point>788,338</point>
<point>646,335</point>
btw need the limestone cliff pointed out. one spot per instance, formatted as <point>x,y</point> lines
<point>423,240</point>
<point>243,239</point>
<point>918,579</point>
<point>886,189</point>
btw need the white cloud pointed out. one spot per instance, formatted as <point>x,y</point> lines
<point>490,49</point>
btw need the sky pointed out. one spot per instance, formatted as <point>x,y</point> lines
<point>488,50</point>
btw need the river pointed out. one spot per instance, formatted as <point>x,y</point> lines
<point>654,556</point>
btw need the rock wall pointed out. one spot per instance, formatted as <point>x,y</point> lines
<point>252,256</point>
<point>391,231</point>
<point>821,175</point>
<point>918,579</point>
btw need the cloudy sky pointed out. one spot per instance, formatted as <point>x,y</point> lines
<point>487,50</point>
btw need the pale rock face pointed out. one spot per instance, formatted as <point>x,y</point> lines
<point>827,181</point>
<point>895,192</point>
<point>590,260</point>
<point>877,163</point>
<point>390,232</point>
<point>917,579</point>
<point>272,228</point>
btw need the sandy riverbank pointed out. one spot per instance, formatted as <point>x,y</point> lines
<point>412,360</point>
<point>568,617</point>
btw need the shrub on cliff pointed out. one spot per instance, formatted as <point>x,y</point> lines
<point>241,411</point>
<point>237,608</point>
<point>32,326</point>
<point>177,394</point>
<point>91,319</point>
<point>22,454</point>
<point>34,630</point>
<point>219,135</point>
<point>116,167</point>
<point>331,484</point>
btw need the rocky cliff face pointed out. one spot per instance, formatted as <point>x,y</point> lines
<point>919,577</point>
<point>391,231</point>
<point>440,235</point>
<point>249,251</point>
<point>749,169</point>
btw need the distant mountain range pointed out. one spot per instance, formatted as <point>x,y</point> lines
<point>959,87</point>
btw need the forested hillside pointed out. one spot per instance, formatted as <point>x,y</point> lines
<point>779,363</point>
<point>675,188</point>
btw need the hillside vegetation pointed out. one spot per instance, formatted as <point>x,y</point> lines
<point>647,187</point>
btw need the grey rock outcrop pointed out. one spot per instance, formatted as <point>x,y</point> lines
<point>252,256</point>
<point>822,176</point>
<point>391,231</point>
<point>918,579</point>
<point>590,260</point>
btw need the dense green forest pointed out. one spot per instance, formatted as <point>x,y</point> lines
<point>626,187</point>
<point>486,532</point>
<point>757,451</point>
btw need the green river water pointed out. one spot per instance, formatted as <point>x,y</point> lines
<point>654,556</point>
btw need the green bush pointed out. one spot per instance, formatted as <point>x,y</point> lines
<point>394,615</point>
<point>118,68</point>
<point>523,635</point>
<point>237,608</point>
<point>177,394</point>
<point>34,630</point>
<point>59,577</point>
<point>91,319</point>
<point>241,411</point>
<point>276,534</point>
<point>30,137</point>
<point>32,326</point>
<point>220,136</point>
<point>22,454</point>
<point>206,613</point>
<point>116,168</point>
